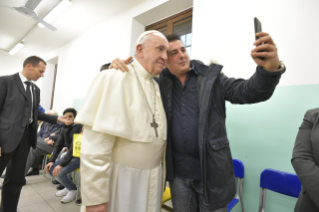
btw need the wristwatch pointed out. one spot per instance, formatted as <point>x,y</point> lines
<point>280,68</point>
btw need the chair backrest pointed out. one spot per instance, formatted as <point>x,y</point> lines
<point>238,168</point>
<point>281,182</point>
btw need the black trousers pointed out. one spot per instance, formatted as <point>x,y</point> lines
<point>15,162</point>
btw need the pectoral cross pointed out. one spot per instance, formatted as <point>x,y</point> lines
<point>154,125</point>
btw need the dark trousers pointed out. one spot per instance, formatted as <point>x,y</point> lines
<point>42,149</point>
<point>15,162</point>
<point>187,195</point>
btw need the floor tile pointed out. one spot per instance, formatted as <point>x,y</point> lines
<point>30,200</point>
<point>43,186</point>
<point>56,203</point>
<point>46,195</point>
<point>27,190</point>
<point>71,207</point>
<point>36,179</point>
<point>38,207</point>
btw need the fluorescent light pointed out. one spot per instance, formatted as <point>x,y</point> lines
<point>16,48</point>
<point>56,11</point>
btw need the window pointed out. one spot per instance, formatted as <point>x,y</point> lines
<point>180,24</point>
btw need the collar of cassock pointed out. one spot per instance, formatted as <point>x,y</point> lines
<point>141,71</point>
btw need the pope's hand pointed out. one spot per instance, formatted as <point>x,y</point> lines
<point>267,50</point>
<point>120,64</point>
<point>64,120</point>
<point>97,208</point>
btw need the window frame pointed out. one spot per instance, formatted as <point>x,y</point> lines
<point>168,22</point>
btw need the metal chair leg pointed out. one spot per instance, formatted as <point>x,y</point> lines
<point>240,192</point>
<point>78,187</point>
<point>262,200</point>
<point>43,164</point>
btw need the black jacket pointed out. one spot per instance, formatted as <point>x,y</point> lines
<point>14,113</point>
<point>66,140</point>
<point>305,160</point>
<point>213,89</point>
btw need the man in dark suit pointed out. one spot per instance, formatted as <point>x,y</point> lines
<point>305,160</point>
<point>19,114</point>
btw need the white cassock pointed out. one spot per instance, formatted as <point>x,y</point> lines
<point>122,159</point>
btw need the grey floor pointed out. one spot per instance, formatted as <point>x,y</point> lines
<point>38,195</point>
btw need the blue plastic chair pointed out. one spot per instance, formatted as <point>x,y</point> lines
<point>280,182</point>
<point>239,173</point>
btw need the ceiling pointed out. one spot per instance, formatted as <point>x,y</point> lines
<point>75,20</point>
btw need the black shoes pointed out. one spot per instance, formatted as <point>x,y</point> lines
<point>60,187</point>
<point>33,172</point>
<point>79,202</point>
<point>55,182</point>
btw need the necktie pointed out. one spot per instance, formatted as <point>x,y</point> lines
<point>29,98</point>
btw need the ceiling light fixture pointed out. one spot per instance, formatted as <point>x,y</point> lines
<point>16,48</point>
<point>63,5</point>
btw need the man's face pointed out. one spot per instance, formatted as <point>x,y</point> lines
<point>154,54</point>
<point>178,60</point>
<point>35,72</point>
<point>70,117</point>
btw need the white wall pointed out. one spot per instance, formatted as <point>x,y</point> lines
<point>47,85</point>
<point>224,30</point>
<point>9,64</point>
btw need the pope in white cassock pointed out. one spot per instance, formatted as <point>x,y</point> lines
<point>124,139</point>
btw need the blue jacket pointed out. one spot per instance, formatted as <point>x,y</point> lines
<point>47,129</point>
<point>213,89</point>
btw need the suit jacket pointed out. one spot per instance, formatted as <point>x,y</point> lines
<point>305,160</point>
<point>14,114</point>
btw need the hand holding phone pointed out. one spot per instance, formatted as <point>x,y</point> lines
<point>265,56</point>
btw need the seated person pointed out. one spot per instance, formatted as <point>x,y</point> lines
<point>47,135</point>
<point>305,160</point>
<point>66,164</point>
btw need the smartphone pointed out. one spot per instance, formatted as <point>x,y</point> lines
<point>258,29</point>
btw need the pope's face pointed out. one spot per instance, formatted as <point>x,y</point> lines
<point>178,59</point>
<point>35,72</point>
<point>154,54</point>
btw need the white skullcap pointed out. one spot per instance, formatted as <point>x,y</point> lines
<point>146,33</point>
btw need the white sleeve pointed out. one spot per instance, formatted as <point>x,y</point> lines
<point>96,166</point>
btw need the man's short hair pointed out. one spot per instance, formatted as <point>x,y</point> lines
<point>173,37</point>
<point>105,67</point>
<point>72,110</point>
<point>34,61</point>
